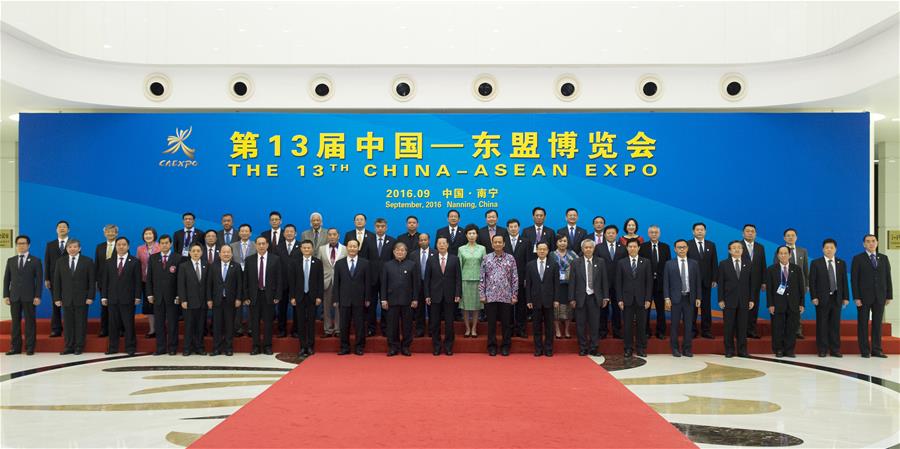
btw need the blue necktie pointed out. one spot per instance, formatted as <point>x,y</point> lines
<point>305,275</point>
<point>352,267</point>
<point>874,260</point>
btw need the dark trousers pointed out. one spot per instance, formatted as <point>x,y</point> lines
<point>262,310</point>
<point>56,324</point>
<point>194,320</point>
<point>503,311</point>
<point>682,312</point>
<point>659,303</point>
<point>611,313</point>
<point>121,321</point>
<point>399,319</point>
<point>784,329</point>
<point>305,317</point>
<point>634,322</point>
<point>520,312</point>
<point>705,324</point>
<point>165,325</point>
<point>372,313</point>
<point>223,326</point>
<point>753,314</point>
<point>281,311</point>
<point>74,327</point>
<point>828,324</point>
<point>239,319</point>
<point>104,320</point>
<point>420,314</point>
<point>862,327</point>
<point>542,327</point>
<point>357,315</point>
<point>587,323</point>
<point>20,309</point>
<point>736,328</point>
<point>445,310</point>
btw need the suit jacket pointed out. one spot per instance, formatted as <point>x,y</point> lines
<point>289,262</point>
<point>215,253</point>
<point>672,287</point>
<point>733,291</point>
<point>421,271</point>
<point>74,288</point>
<point>368,248</point>
<point>454,243</point>
<point>578,280</point>
<point>795,289</point>
<point>351,289</point>
<point>100,260</point>
<point>387,254</point>
<point>225,291</point>
<point>192,290</point>
<point>819,284</point>
<point>324,254</point>
<point>121,288</point>
<point>542,292</point>
<point>634,289</point>
<point>522,254</point>
<point>547,236</point>
<point>273,277</point>
<point>802,262</point>
<point>659,266</point>
<point>220,237</point>
<point>51,254</point>
<point>267,234</point>
<point>610,262</point>
<point>321,239</point>
<point>871,285</point>
<point>580,234</point>
<point>236,251</point>
<point>178,238</point>
<point>316,279</point>
<point>484,237</point>
<point>757,264</point>
<point>446,285</point>
<point>162,280</point>
<point>399,282</point>
<point>708,261</point>
<point>411,241</point>
<point>23,284</point>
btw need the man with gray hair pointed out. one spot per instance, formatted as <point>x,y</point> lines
<point>588,293</point>
<point>316,233</point>
<point>102,252</point>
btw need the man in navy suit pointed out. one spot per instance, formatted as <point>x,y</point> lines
<point>542,294</point>
<point>121,292</point>
<point>735,298</point>
<point>22,289</point>
<point>870,275</point>
<point>754,254</point>
<point>681,290</point>
<point>830,293</point>
<point>634,284</point>
<point>704,252</point>
<point>611,252</point>
<point>443,288</point>
<point>351,291</point>
<point>784,298</point>
<point>306,294</point>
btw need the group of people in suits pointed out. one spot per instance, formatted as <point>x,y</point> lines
<point>606,283</point>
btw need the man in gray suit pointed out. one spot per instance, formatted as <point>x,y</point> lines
<point>329,254</point>
<point>799,257</point>
<point>242,249</point>
<point>316,233</point>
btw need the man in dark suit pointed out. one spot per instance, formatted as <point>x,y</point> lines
<point>55,249</point>
<point>263,281</point>
<point>785,300</point>
<point>162,292</point>
<point>22,288</point>
<point>367,250</point>
<point>519,248</point>
<point>421,256</point>
<point>870,276</point>
<point>542,295</point>
<point>489,230</point>
<point>227,235</point>
<point>121,292</point>
<point>735,298</point>
<point>225,284</point>
<point>399,288</point>
<point>274,234</point>
<point>799,257</point>
<point>193,291</point>
<point>634,285</point>
<point>104,251</point>
<point>830,293</point>
<point>539,232</point>
<point>351,291</point>
<point>611,252</point>
<point>410,238</point>
<point>453,232</point>
<point>574,232</point>
<point>443,288</point>
<point>754,254</point>
<point>289,252</point>
<point>658,254</point>
<point>184,238</point>
<point>381,252</point>
<point>74,284</point>
<point>681,289</point>
<point>704,252</point>
<point>588,294</point>
<point>210,256</point>
<point>306,294</point>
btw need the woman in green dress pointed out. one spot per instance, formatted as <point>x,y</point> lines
<point>470,256</point>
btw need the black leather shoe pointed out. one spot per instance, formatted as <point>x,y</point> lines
<point>879,354</point>
<point>660,336</point>
<point>642,353</point>
<point>77,352</point>
<point>302,353</point>
<point>753,335</point>
<point>837,354</point>
<point>159,352</point>
<point>102,335</point>
<point>360,351</point>
<point>186,353</point>
<point>391,353</point>
<point>538,353</point>
<point>310,352</point>
<point>66,352</point>
<point>676,353</point>
<point>110,352</point>
<point>492,352</point>
<point>281,335</point>
<point>29,352</point>
<point>743,355</point>
<point>436,352</point>
<point>150,335</point>
<point>406,352</point>
<point>130,353</point>
<point>13,352</point>
<point>255,351</point>
<point>173,352</point>
<point>343,352</point>
<point>629,354</point>
<point>294,335</point>
<point>779,354</point>
<point>548,353</point>
<point>448,352</point>
<point>864,355</point>
<point>688,354</point>
<point>800,337</point>
<point>823,354</point>
<point>790,355</point>
<point>55,334</point>
<point>708,335</point>
<point>504,352</point>
<point>582,352</point>
<point>420,334</point>
<point>729,355</point>
<point>268,351</point>
<point>214,353</point>
<point>595,353</point>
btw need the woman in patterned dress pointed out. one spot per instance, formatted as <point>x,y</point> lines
<point>564,257</point>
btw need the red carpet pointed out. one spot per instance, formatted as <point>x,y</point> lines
<point>464,401</point>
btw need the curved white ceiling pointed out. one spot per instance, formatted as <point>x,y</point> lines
<point>408,33</point>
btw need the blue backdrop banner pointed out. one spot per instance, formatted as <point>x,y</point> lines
<point>809,171</point>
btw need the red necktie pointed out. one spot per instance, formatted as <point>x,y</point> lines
<point>121,265</point>
<point>332,255</point>
<point>210,261</point>
<point>164,261</point>
<point>262,273</point>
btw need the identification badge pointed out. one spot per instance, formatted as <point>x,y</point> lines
<point>562,276</point>
<point>184,252</point>
<point>781,289</point>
